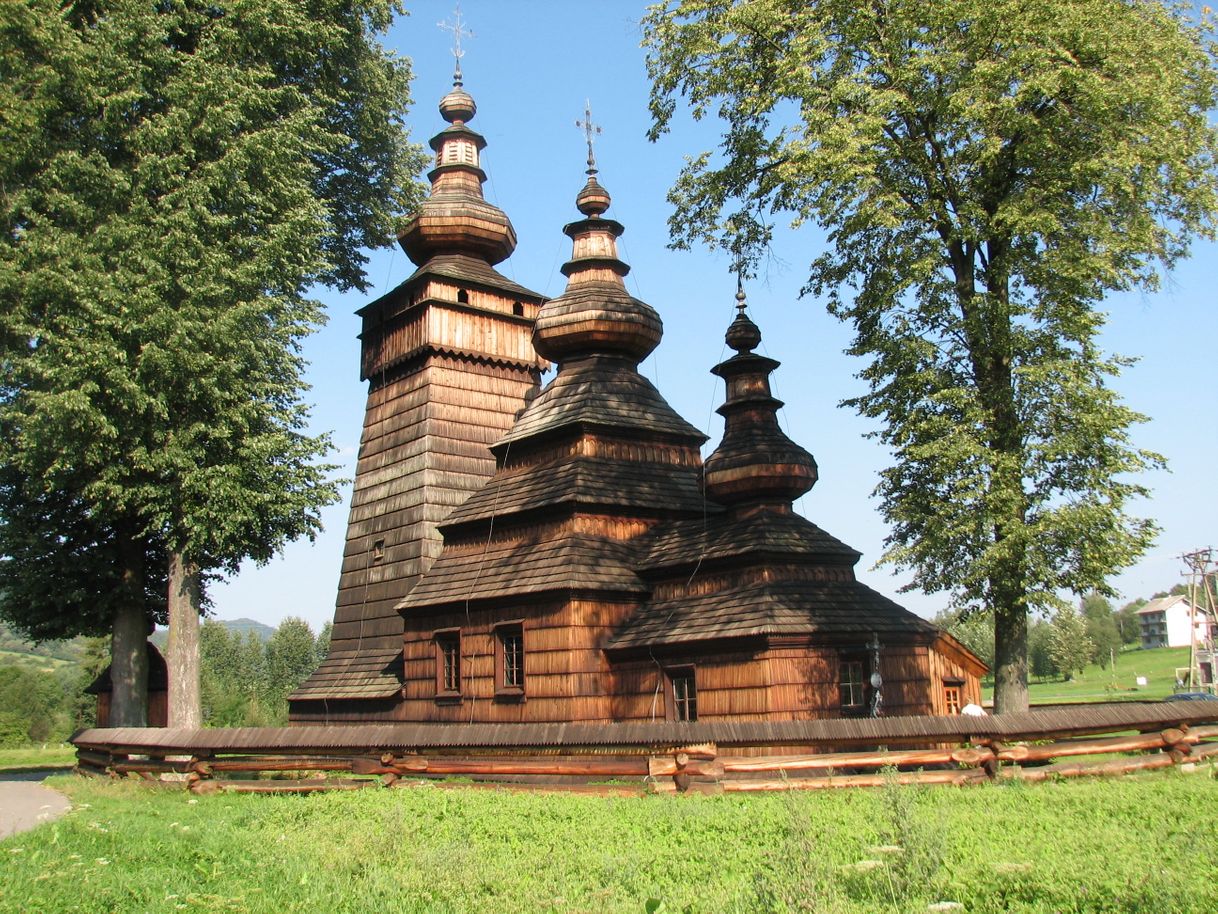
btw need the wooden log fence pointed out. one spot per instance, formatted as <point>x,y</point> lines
<point>1098,741</point>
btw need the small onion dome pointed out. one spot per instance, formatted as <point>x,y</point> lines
<point>593,199</point>
<point>742,334</point>
<point>755,463</point>
<point>458,107</point>
<point>594,319</point>
<point>595,315</point>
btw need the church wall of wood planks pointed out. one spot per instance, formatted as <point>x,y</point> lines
<point>564,554</point>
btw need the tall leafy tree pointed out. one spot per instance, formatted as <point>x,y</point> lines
<point>1069,647</point>
<point>986,170</point>
<point>1102,629</point>
<point>175,177</point>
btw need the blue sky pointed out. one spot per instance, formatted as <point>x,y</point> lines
<point>530,66</point>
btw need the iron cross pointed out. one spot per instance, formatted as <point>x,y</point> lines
<point>457,27</point>
<point>591,131</point>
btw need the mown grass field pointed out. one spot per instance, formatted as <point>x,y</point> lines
<point>49,755</point>
<point>1158,665</point>
<point>1134,845</point>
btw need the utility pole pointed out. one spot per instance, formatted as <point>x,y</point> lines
<point>1202,574</point>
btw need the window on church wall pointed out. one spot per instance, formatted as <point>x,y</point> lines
<point>448,664</point>
<point>853,674</point>
<point>682,694</point>
<point>509,661</point>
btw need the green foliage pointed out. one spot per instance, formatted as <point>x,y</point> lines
<point>987,170</point>
<point>33,706</point>
<point>245,681</point>
<point>173,178</point>
<point>1069,647</point>
<point>1098,847</point>
<point>1128,622</point>
<point>972,629</point>
<point>1040,655</point>
<point>1101,629</point>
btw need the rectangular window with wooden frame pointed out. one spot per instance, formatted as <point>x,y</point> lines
<point>682,697</point>
<point>448,665</point>
<point>852,679</point>
<point>952,690</point>
<point>509,661</point>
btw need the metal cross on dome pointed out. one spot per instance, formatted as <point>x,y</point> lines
<point>457,27</point>
<point>591,131</point>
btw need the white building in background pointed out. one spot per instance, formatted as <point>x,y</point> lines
<point>1165,623</point>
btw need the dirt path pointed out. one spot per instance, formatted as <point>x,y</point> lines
<point>25,804</point>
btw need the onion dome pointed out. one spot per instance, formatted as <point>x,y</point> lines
<point>455,219</point>
<point>595,315</point>
<point>756,463</point>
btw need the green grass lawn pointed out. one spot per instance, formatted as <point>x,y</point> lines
<point>1158,665</point>
<point>1130,845</point>
<point>49,755</point>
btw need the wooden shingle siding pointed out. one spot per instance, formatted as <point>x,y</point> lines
<point>425,448</point>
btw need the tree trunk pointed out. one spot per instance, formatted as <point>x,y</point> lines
<point>1010,658</point>
<point>129,667</point>
<point>185,595</point>
<point>129,645</point>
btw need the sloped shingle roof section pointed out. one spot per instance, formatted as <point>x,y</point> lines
<point>368,673</point>
<point>600,391</point>
<point>766,533</point>
<point>588,482</point>
<point>472,270</point>
<point>825,609</point>
<point>525,567</point>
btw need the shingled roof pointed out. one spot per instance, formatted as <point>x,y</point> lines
<point>830,609</point>
<point>526,567</point>
<point>587,482</point>
<point>600,391</point>
<point>763,534</point>
<point>466,269</point>
<point>372,672</point>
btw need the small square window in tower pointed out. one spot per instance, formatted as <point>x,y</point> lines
<point>448,665</point>
<point>509,661</point>
<point>682,694</point>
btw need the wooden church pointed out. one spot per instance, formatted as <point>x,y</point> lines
<point>517,553</point>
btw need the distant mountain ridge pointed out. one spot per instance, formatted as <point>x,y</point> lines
<point>236,626</point>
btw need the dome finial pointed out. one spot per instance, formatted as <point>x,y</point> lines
<point>457,27</point>
<point>742,334</point>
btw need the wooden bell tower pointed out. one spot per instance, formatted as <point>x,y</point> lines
<point>449,363</point>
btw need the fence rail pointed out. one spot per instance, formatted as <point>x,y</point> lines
<point>1107,739</point>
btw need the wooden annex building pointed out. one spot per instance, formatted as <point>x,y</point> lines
<point>563,554</point>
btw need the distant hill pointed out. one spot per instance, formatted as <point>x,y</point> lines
<point>68,651</point>
<point>236,626</point>
<point>241,626</point>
